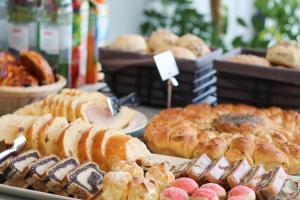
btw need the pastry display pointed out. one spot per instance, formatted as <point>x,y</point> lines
<point>31,70</point>
<point>73,104</point>
<point>130,42</point>
<point>249,59</point>
<point>285,53</point>
<point>261,136</point>
<point>188,46</point>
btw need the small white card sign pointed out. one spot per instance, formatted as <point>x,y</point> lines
<point>166,65</point>
<point>168,69</point>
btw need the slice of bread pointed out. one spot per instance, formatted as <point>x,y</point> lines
<point>50,133</point>
<point>33,131</point>
<point>98,147</point>
<point>35,109</point>
<point>11,125</point>
<point>85,145</point>
<point>124,147</point>
<point>67,142</point>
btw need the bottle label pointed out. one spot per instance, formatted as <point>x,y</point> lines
<point>18,36</point>
<point>49,40</point>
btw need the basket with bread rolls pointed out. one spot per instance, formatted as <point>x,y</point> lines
<point>25,79</point>
<point>129,67</point>
<point>261,77</point>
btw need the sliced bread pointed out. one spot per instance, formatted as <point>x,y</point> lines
<point>98,147</point>
<point>50,133</point>
<point>124,147</point>
<point>32,133</point>
<point>67,142</point>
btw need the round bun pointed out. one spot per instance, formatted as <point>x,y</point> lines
<point>179,52</point>
<point>250,59</point>
<point>162,39</point>
<point>130,42</point>
<point>194,44</point>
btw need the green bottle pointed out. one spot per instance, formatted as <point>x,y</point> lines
<point>55,35</point>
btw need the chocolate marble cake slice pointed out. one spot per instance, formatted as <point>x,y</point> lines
<point>56,176</point>
<point>85,181</point>
<point>18,167</point>
<point>289,191</point>
<point>36,175</point>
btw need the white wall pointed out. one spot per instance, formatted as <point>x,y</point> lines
<point>125,17</point>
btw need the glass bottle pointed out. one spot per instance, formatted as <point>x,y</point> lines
<point>21,25</point>
<point>55,35</point>
<point>3,25</point>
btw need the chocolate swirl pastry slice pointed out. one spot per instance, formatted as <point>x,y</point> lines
<point>271,183</point>
<point>56,179</point>
<point>238,171</point>
<point>289,191</point>
<point>254,177</point>
<point>18,167</point>
<point>85,181</point>
<point>37,173</point>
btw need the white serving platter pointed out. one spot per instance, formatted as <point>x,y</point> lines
<point>137,124</point>
<point>30,194</point>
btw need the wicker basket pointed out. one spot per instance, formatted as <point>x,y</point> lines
<point>12,98</point>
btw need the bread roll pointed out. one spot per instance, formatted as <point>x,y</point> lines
<point>67,142</point>
<point>115,186</point>
<point>161,175</point>
<point>124,147</point>
<point>285,53</point>
<point>32,132</point>
<point>38,65</point>
<point>178,52</point>
<point>162,39</point>
<point>11,125</point>
<point>195,44</point>
<point>293,153</point>
<point>241,147</point>
<point>130,42</point>
<point>129,166</point>
<point>141,188</point>
<point>85,144</point>
<point>48,135</point>
<point>98,150</point>
<point>250,60</point>
<point>269,156</point>
<point>214,148</point>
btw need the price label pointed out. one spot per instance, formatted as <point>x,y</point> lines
<point>166,65</point>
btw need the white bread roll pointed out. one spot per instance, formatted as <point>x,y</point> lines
<point>99,147</point>
<point>130,42</point>
<point>32,133</point>
<point>50,133</point>
<point>11,125</point>
<point>124,147</point>
<point>162,38</point>
<point>195,44</point>
<point>67,142</point>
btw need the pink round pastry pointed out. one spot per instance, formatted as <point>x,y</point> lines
<point>237,198</point>
<point>242,191</point>
<point>217,189</point>
<point>174,193</point>
<point>204,194</point>
<point>187,184</point>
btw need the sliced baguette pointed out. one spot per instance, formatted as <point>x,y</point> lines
<point>33,131</point>
<point>124,147</point>
<point>35,109</point>
<point>98,147</point>
<point>67,142</point>
<point>11,125</point>
<point>50,133</point>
